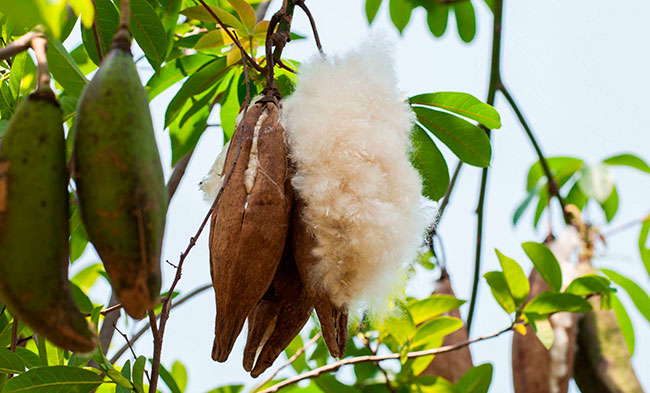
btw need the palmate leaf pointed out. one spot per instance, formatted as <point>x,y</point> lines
<point>559,166</point>
<point>430,163</point>
<point>465,20</point>
<point>54,379</point>
<point>437,17</point>
<point>466,141</point>
<point>546,264</point>
<point>400,13</point>
<point>462,104</point>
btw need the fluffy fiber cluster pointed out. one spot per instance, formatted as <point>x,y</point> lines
<point>348,131</point>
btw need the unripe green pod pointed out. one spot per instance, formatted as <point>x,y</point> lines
<point>34,226</point>
<point>120,181</point>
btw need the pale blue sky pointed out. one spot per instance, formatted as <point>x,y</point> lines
<point>579,71</point>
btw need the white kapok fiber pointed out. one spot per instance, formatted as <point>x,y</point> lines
<point>348,131</point>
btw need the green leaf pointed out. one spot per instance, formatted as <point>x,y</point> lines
<point>524,204</point>
<point>610,205</point>
<point>545,263</point>
<point>64,68</point>
<point>437,16</point>
<point>400,326</point>
<point>27,14</point>
<point>82,60</point>
<point>643,238</point>
<point>126,373</point>
<point>629,160</point>
<point>169,19</point>
<point>200,13</point>
<point>400,13</point>
<point>211,39</point>
<point>30,358</point>
<point>437,304</point>
<point>87,277</point>
<point>78,242</point>
<point>329,384</point>
<point>81,299</point>
<point>175,71</point>
<point>639,297</point>
<point>462,104</point>
<point>203,79</point>
<point>138,373</point>
<point>624,322</point>
<point>576,197</point>
<point>186,130</point>
<point>168,379</point>
<point>230,105</point>
<point>179,373</point>
<point>476,379</point>
<point>465,140</point>
<point>149,32</point>
<point>7,100</point>
<point>551,302</point>
<point>106,21</point>
<point>10,363</point>
<point>54,379</point>
<point>545,333</point>
<point>430,163</point>
<point>22,78</point>
<point>246,14</point>
<point>588,285</point>
<point>85,9</point>
<point>465,20</point>
<point>515,277</point>
<point>557,165</point>
<point>438,327</point>
<point>499,287</point>
<point>372,7</point>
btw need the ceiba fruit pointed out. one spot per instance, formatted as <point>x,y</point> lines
<point>119,178</point>
<point>250,222</point>
<point>34,225</point>
<point>278,317</point>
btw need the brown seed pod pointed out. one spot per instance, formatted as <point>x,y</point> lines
<point>450,365</point>
<point>333,320</point>
<point>250,222</point>
<point>603,360</point>
<point>278,317</point>
<point>536,369</point>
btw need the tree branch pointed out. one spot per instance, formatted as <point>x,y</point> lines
<point>495,82</point>
<point>301,4</point>
<point>20,44</point>
<point>177,174</point>
<point>378,358</point>
<point>443,205</point>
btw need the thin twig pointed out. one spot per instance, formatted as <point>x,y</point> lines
<point>14,335</point>
<point>20,44</point>
<point>146,327</point>
<point>233,37</point>
<point>112,308</point>
<point>177,174</point>
<point>552,184</point>
<point>495,82</point>
<point>107,330</point>
<point>288,362</point>
<point>443,204</point>
<point>301,4</point>
<point>126,338</point>
<point>626,226</point>
<point>377,358</point>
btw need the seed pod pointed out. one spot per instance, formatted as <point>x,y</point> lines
<point>120,181</point>
<point>34,226</point>
<point>278,317</point>
<point>249,225</point>
<point>333,319</point>
<point>603,360</point>
<point>451,365</point>
<point>536,369</point>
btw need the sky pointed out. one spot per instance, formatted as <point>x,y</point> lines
<point>579,72</point>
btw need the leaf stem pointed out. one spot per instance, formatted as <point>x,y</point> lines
<point>39,45</point>
<point>20,44</point>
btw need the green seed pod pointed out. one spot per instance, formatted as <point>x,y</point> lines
<point>120,181</point>
<point>34,226</point>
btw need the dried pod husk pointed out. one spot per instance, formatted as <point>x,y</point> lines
<point>333,319</point>
<point>120,183</point>
<point>603,361</point>
<point>34,225</point>
<point>250,223</point>
<point>536,369</point>
<point>278,317</point>
<point>451,365</point>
